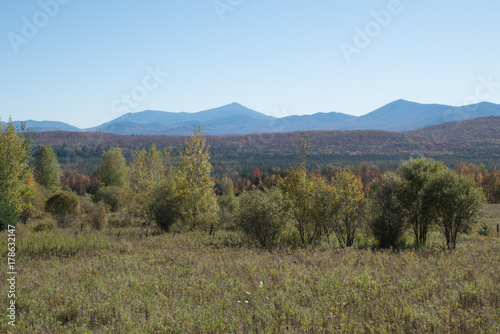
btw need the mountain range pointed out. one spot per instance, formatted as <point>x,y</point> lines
<point>235,119</point>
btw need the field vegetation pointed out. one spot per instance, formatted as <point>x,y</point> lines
<point>97,282</point>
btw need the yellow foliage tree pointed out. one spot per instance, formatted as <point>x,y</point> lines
<point>195,185</point>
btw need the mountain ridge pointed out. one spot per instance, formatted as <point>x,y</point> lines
<point>236,119</point>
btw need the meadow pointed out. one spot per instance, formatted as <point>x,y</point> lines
<point>99,282</point>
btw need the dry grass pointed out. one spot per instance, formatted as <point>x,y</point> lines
<point>191,283</point>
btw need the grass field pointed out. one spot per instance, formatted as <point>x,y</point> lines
<point>95,282</point>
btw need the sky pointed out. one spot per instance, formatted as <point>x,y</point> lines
<point>88,62</point>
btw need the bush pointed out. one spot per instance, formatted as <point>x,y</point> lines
<point>8,214</point>
<point>63,206</point>
<point>46,225</point>
<point>228,206</point>
<point>262,216</point>
<point>388,218</point>
<point>98,217</point>
<point>165,208</point>
<point>111,196</point>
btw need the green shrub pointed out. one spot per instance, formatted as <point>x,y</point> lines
<point>165,208</point>
<point>388,219</point>
<point>63,206</point>
<point>111,196</point>
<point>262,216</point>
<point>8,214</point>
<point>46,225</point>
<point>228,207</point>
<point>98,217</point>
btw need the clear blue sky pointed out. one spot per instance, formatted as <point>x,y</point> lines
<point>278,57</point>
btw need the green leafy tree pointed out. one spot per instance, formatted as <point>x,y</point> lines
<point>263,216</point>
<point>196,186</point>
<point>350,207</point>
<point>415,174</point>
<point>454,202</point>
<point>15,154</point>
<point>113,169</point>
<point>64,207</point>
<point>388,219</point>
<point>47,169</point>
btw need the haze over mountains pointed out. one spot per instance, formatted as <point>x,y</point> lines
<point>235,119</point>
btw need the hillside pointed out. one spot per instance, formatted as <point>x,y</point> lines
<point>483,129</point>
<point>476,141</point>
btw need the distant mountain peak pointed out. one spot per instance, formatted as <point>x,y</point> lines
<point>234,118</point>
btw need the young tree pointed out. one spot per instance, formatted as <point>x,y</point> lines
<point>228,204</point>
<point>307,198</point>
<point>455,202</point>
<point>63,206</point>
<point>113,170</point>
<point>388,219</point>
<point>147,170</point>
<point>350,207</point>
<point>98,216</point>
<point>165,206</point>
<point>196,186</point>
<point>47,169</point>
<point>15,154</point>
<point>35,204</point>
<point>263,215</point>
<point>415,174</point>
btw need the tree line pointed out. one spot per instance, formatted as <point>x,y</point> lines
<point>169,191</point>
